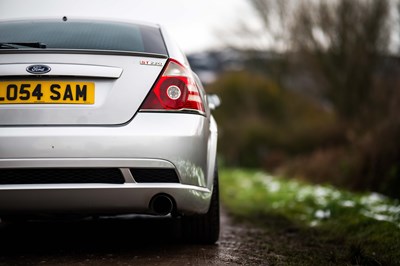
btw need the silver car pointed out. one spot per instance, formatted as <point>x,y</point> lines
<point>104,118</point>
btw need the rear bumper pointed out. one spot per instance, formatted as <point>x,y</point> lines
<point>186,143</point>
<point>98,198</point>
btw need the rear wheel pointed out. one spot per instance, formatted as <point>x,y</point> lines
<point>204,229</point>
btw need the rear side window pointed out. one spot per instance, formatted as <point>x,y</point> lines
<point>86,35</point>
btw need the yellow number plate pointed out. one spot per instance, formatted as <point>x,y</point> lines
<point>50,92</point>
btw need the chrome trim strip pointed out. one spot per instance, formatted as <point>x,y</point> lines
<point>74,70</point>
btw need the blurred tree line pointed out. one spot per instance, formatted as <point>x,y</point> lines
<point>326,106</point>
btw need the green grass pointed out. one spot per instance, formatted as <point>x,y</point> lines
<point>316,224</point>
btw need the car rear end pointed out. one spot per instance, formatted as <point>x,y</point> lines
<point>100,117</point>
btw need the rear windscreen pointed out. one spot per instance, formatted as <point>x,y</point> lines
<point>112,36</point>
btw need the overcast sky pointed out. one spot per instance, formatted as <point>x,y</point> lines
<point>195,24</point>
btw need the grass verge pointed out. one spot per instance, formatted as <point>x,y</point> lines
<point>314,224</point>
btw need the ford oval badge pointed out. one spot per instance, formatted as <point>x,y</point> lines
<point>38,69</point>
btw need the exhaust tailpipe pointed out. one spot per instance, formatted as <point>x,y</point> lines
<point>161,204</point>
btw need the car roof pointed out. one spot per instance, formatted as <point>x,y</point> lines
<point>81,19</point>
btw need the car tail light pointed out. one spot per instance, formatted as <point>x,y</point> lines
<point>175,90</point>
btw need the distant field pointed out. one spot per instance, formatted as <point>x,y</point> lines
<point>315,224</point>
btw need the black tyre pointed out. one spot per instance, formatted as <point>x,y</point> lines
<point>204,229</point>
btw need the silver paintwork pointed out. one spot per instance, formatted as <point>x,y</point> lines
<point>116,100</point>
<point>110,133</point>
<point>185,142</point>
<point>173,49</point>
<point>99,198</point>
